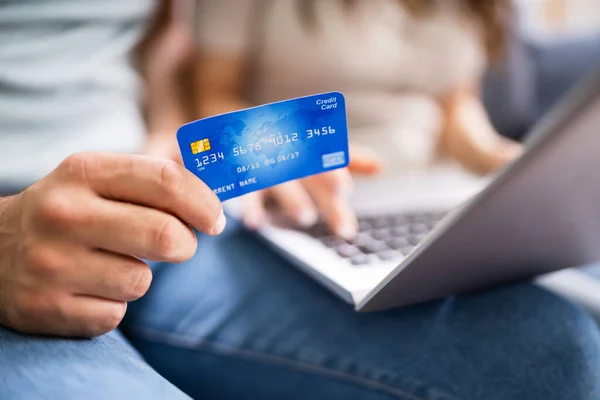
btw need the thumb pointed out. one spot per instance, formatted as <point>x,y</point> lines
<point>364,161</point>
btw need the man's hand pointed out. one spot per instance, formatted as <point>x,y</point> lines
<point>71,245</point>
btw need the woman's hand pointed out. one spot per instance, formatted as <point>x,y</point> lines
<point>325,195</point>
<point>470,138</point>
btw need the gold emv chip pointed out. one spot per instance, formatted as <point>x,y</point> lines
<point>200,146</point>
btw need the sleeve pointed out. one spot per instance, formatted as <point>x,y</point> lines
<point>225,26</point>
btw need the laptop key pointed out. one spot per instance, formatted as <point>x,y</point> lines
<point>347,251</point>
<point>382,222</point>
<point>364,226</point>
<point>416,239</point>
<point>400,230</point>
<point>360,260</point>
<point>400,219</point>
<point>318,230</point>
<point>332,241</point>
<point>373,247</point>
<point>414,218</point>
<point>397,243</point>
<point>419,228</point>
<point>362,239</point>
<point>381,234</point>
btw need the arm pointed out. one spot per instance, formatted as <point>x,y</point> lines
<point>220,81</point>
<point>469,136</point>
<point>164,59</point>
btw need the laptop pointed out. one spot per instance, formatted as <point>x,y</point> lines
<point>440,232</point>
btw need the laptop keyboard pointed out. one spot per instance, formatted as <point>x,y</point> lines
<point>381,238</point>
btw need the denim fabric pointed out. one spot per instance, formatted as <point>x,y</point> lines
<point>107,367</point>
<point>238,322</point>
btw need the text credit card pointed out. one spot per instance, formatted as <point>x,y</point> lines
<point>259,147</point>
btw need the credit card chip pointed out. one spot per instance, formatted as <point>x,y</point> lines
<point>200,146</point>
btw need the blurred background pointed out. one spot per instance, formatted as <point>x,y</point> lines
<point>556,42</point>
<point>560,17</point>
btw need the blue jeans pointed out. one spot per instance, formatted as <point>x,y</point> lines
<point>237,322</point>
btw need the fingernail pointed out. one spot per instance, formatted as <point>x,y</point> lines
<point>221,222</point>
<point>307,218</point>
<point>347,231</point>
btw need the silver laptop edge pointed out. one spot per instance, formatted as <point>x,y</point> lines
<point>389,293</point>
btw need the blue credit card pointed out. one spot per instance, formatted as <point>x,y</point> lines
<point>259,147</point>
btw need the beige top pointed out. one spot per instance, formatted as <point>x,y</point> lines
<point>391,66</point>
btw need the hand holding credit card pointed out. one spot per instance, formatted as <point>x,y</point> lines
<point>256,148</point>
